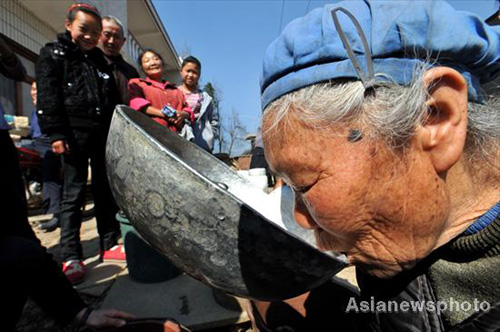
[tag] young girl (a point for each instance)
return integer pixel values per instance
(158, 98)
(76, 98)
(206, 126)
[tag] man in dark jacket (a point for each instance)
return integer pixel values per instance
(76, 97)
(112, 40)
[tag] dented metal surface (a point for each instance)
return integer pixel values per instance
(205, 217)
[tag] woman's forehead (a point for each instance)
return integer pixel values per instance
(150, 55)
(288, 160)
(292, 148)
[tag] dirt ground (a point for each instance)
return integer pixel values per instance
(33, 318)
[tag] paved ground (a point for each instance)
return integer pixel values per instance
(108, 285)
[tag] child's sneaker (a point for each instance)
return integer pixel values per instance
(115, 254)
(74, 271)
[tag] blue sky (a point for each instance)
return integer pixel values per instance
(230, 38)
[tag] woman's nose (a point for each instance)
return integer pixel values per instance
(302, 215)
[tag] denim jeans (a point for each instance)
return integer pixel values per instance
(85, 145)
(51, 175)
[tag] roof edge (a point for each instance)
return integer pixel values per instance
(159, 23)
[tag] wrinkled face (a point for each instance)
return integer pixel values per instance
(85, 30)
(112, 38)
(383, 211)
(152, 65)
(190, 74)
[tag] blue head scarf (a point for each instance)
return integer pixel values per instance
(385, 41)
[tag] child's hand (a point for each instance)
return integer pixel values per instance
(60, 147)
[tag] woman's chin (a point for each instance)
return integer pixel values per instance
(380, 269)
(156, 75)
(327, 242)
(381, 272)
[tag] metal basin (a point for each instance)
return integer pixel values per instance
(208, 220)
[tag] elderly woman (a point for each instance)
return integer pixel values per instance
(158, 98)
(384, 118)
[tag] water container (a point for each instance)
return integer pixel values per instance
(258, 177)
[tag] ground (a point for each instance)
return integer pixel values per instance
(33, 318)
(95, 290)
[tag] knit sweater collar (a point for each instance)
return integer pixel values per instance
(484, 243)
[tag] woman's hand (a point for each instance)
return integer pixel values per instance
(105, 318)
(60, 147)
(178, 121)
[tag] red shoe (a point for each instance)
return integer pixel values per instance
(115, 254)
(74, 271)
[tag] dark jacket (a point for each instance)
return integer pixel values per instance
(76, 90)
(10, 65)
(27, 269)
(123, 72)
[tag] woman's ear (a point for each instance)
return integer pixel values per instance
(443, 133)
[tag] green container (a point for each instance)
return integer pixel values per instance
(144, 263)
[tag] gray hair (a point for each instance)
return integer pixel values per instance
(391, 112)
(115, 20)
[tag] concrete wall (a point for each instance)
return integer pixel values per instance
(22, 26)
(19, 24)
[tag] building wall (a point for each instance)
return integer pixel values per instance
(26, 104)
(23, 27)
(19, 24)
(133, 50)
(15, 97)
(117, 8)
